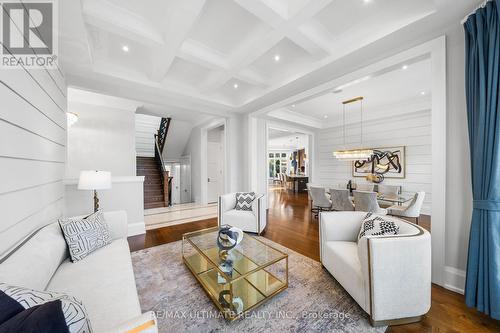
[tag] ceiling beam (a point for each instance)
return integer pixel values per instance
(255, 48)
(262, 9)
(178, 23)
(116, 20)
(202, 55)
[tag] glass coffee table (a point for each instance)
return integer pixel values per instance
(237, 280)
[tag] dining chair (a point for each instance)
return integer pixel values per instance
(388, 190)
(412, 210)
(340, 200)
(320, 201)
(367, 202)
(365, 187)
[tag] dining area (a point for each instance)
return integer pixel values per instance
(367, 197)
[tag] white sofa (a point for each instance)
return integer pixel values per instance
(104, 281)
(388, 276)
(251, 221)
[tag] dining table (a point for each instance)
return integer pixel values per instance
(398, 199)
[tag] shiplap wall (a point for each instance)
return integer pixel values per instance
(32, 152)
(411, 130)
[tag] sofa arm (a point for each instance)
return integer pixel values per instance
(145, 323)
(259, 208)
(117, 223)
(226, 203)
(399, 275)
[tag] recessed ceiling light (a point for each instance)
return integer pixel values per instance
(277, 57)
(235, 86)
(367, 1)
(422, 93)
(325, 116)
(293, 105)
(405, 67)
(125, 48)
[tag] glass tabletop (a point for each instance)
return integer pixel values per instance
(248, 256)
(399, 198)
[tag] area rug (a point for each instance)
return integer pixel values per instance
(313, 302)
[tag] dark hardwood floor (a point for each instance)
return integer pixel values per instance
(291, 224)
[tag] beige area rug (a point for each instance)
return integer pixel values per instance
(313, 302)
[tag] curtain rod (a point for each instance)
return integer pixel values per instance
(482, 5)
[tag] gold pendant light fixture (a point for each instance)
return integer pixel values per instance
(353, 154)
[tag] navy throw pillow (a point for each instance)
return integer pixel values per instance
(8, 307)
(44, 318)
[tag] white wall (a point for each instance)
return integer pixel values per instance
(32, 152)
(104, 139)
(235, 148)
(145, 128)
(411, 130)
(458, 180)
(177, 139)
(125, 194)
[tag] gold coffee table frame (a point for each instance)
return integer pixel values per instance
(255, 276)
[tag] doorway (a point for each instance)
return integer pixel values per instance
(215, 163)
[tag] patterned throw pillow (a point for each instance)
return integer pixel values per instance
(244, 200)
(17, 299)
(85, 235)
(374, 225)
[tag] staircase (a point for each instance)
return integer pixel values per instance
(153, 184)
(157, 182)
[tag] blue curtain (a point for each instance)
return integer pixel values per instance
(482, 43)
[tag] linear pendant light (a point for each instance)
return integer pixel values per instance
(353, 154)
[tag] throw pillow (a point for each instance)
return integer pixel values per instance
(44, 318)
(73, 311)
(244, 200)
(374, 225)
(85, 235)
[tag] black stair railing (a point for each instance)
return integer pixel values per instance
(160, 140)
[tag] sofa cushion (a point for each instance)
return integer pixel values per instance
(37, 259)
(71, 309)
(342, 261)
(85, 235)
(247, 221)
(105, 283)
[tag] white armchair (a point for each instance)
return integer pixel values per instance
(388, 276)
(251, 221)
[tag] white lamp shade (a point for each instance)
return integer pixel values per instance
(94, 180)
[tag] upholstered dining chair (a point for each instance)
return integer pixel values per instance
(340, 200)
(365, 187)
(412, 210)
(367, 202)
(388, 190)
(320, 201)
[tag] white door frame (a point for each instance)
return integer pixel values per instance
(436, 50)
(204, 160)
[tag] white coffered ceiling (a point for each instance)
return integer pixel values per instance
(399, 89)
(193, 53)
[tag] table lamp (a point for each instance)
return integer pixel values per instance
(94, 180)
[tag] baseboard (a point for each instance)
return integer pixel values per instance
(138, 228)
(454, 279)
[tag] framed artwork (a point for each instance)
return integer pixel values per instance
(387, 162)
